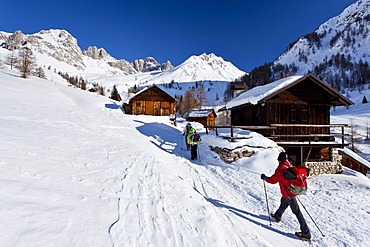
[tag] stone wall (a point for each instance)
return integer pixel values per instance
(326, 167)
(230, 155)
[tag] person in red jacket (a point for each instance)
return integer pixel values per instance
(288, 198)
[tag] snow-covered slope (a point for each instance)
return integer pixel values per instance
(347, 34)
(76, 171)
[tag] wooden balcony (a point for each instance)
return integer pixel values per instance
(292, 134)
(309, 133)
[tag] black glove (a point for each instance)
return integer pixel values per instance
(263, 176)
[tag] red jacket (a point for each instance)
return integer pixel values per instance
(278, 177)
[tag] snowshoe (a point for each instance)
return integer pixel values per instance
(301, 237)
(273, 216)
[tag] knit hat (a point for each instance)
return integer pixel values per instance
(282, 156)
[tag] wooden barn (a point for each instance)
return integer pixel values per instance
(296, 113)
(150, 101)
(207, 117)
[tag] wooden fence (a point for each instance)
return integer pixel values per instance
(310, 134)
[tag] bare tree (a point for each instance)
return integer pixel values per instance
(11, 59)
(201, 96)
(188, 102)
(26, 62)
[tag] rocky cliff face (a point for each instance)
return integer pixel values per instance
(167, 66)
(123, 65)
(59, 44)
(95, 53)
(14, 41)
(62, 46)
(150, 64)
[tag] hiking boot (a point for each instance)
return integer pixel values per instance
(274, 217)
(302, 237)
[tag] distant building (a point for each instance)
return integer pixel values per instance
(206, 117)
(150, 101)
(237, 89)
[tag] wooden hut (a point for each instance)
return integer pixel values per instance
(298, 110)
(207, 117)
(150, 101)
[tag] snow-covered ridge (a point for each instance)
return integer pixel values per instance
(62, 46)
(347, 34)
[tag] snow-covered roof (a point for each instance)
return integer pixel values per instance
(355, 156)
(200, 113)
(256, 94)
(127, 101)
(265, 92)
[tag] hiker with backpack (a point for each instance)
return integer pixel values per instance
(193, 138)
(287, 188)
(185, 133)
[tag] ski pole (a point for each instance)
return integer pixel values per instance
(267, 202)
(310, 217)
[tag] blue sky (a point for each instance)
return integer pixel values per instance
(247, 33)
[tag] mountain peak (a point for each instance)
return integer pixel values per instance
(346, 35)
(96, 53)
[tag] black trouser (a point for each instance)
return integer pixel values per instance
(194, 151)
(292, 202)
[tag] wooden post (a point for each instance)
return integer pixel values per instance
(231, 132)
(342, 135)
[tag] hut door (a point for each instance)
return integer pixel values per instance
(157, 108)
(149, 108)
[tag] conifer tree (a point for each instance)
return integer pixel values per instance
(364, 100)
(83, 84)
(101, 90)
(114, 94)
(40, 73)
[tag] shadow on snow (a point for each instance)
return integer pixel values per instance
(248, 216)
(166, 138)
